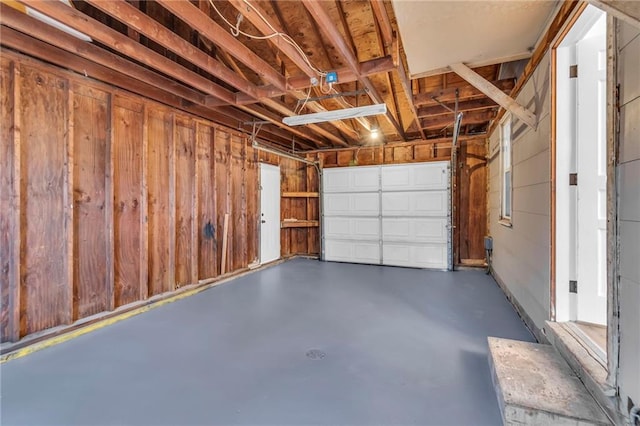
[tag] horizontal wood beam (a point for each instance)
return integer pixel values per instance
(121, 43)
(206, 26)
(464, 92)
(504, 100)
(441, 121)
(226, 116)
(464, 106)
(143, 24)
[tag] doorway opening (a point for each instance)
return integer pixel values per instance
(269, 213)
(581, 180)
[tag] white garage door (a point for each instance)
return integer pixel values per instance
(390, 215)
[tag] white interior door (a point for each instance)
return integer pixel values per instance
(592, 175)
(269, 213)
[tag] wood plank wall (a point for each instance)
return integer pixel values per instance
(109, 198)
(469, 194)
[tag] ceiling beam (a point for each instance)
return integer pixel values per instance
(464, 92)
(222, 38)
(502, 99)
(386, 31)
(328, 27)
(143, 24)
(442, 121)
(465, 106)
(260, 19)
(121, 43)
(53, 54)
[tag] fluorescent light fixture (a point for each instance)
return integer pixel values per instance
(340, 114)
(44, 18)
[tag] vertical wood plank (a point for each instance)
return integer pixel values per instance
(207, 229)
(221, 152)
(185, 178)
(44, 119)
(10, 232)
(68, 204)
(110, 274)
(144, 208)
(253, 213)
(127, 147)
(89, 197)
(159, 189)
(237, 225)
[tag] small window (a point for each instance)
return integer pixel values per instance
(505, 166)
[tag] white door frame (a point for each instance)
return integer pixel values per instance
(559, 296)
(269, 213)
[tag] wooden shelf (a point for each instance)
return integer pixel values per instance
(300, 194)
(299, 224)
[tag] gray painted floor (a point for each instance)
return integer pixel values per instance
(402, 346)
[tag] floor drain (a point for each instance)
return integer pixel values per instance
(315, 354)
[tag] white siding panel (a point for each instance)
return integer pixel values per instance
(352, 204)
(432, 230)
(350, 251)
(630, 63)
(629, 340)
(630, 128)
(363, 228)
(414, 204)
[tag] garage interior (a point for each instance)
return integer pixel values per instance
(320, 212)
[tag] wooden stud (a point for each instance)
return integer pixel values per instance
(225, 231)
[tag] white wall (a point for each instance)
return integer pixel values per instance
(521, 252)
(629, 212)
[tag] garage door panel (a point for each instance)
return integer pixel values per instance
(424, 230)
(431, 203)
(353, 204)
(415, 255)
(414, 177)
(350, 251)
(360, 179)
(363, 228)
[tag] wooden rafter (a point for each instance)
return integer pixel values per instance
(465, 106)
(121, 43)
(496, 94)
(441, 121)
(328, 27)
(386, 30)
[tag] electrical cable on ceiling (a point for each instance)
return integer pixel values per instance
(235, 30)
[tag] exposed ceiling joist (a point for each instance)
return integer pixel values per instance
(464, 92)
(465, 106)
(121, 43)
(496, 94)
(330, 30)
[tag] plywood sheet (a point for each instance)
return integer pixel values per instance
(45, 296)
(160, 188)
(91, 162)
(127, 181)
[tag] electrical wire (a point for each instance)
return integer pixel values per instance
(235, 30)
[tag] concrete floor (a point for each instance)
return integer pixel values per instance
(400, 346)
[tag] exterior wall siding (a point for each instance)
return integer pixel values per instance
(521, 252)
(628, 174)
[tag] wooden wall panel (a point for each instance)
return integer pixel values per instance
(238, 230)
(45, 290)
(472, 185)
(127, 130)
(107, 197)
(207, 227)
(160, 187)
(222, 150)
(9, 206)
(92, 287)
(186, 273)
(253, 213)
